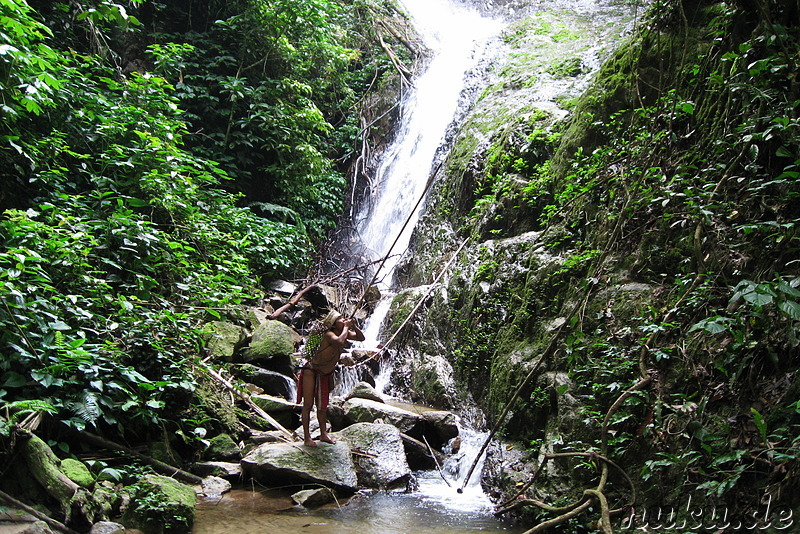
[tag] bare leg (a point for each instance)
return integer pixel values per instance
(305, 413)
(322, 416)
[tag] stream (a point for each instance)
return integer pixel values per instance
(434, 507)
(458, 38)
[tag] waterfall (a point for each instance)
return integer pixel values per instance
(456, 37)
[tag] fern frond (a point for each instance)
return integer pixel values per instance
(88, 408)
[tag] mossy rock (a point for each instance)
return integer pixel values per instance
(270, 340)
(313, 498)
(160, 504)
(224, 339)
(105, 498)
(566, 68)
(432, 382)
(222, 447)
(77, 472)
(215, 402)
(162, 451)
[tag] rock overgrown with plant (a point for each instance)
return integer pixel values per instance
(633, 276)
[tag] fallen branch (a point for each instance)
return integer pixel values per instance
(359, 452)
(37, 514)
(417, 307)
(166, 469)
(277, 313)
(514, 502)
(541, 527)
(421, 448)
(253, 406)
(605, 518)
(404, 72)
(547, 351)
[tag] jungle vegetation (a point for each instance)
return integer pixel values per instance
(162, 161)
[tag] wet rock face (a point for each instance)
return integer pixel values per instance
(365, 410)
(272, 382)
(363, 390)
(440, 427)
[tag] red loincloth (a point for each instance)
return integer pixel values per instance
(323, 384)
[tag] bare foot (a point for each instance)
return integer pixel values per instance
(328, 439)
(309, 443)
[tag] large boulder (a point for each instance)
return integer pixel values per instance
(360, 410)
(224, 339)
(270, 340)
(378, 454)
(275, 464)
(160, 504)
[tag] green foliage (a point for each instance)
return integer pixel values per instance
(17, 411)
(265, 84)
(123, 238)
(762, 325)
(27, 64)
(689, 180)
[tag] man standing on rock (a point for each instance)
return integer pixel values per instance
(323, 351)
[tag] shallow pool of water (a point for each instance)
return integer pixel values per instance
(433, 508)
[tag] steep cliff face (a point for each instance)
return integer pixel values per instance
(632, 252)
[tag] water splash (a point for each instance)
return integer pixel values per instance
(472, 499)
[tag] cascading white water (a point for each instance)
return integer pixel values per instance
(455, 36)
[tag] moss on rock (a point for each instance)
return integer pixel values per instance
(271, 339)
(224, 339)
(77, 472)
(222, 447)
(160, 504)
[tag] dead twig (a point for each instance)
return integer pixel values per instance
(436, 462)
